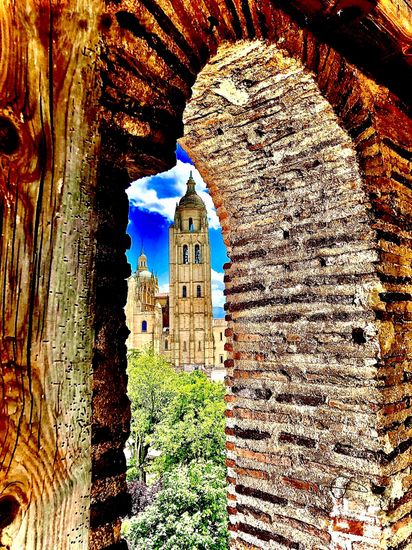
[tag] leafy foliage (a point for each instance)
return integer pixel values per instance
(181, 416)
(189, 513)
(152, 385)
(142, 494)
(193, 424)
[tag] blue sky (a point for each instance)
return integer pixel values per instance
(152, 202)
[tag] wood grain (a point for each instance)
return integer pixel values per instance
(48, 146)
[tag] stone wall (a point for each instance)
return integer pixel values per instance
(307, 376)
(111, 408)
(302, 433)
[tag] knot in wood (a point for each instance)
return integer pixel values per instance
(9, 508)
(9, 137)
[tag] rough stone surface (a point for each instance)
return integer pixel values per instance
(111, 408)
(302, 419)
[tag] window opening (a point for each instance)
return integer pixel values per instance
(197, 254)
(185, 254)
(148, 295)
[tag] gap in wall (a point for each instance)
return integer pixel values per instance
(176, 354)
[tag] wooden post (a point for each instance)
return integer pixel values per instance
(48, 151)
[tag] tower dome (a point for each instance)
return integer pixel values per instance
(142, 269)
(191, 198)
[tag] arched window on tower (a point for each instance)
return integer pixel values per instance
(185, 254)
(198, 291)
(144, 326)
(198, 258)
(166, 345)
(191, 226)
(184, 291)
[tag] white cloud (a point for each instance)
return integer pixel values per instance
(142, 195)
(218, 286)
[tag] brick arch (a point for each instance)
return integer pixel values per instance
(165, 48)
(155, 51)
(301, 291)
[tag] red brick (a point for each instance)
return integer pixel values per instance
(395, 407)
(259, 474)
(268, 458)
(348, 526)
(301, 485)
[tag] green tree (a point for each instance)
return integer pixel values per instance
(189, 513)
(152, 384)
(193, 424)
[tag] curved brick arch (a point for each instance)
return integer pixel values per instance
(151, 70)
(303, 336)
(155, 51)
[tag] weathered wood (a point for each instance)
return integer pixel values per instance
(48, 154)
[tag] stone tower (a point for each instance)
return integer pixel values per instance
(143, 312)
(190, 301)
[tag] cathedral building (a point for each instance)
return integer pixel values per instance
(143, 308)
(179, 324)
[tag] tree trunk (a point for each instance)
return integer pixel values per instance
(48, 152)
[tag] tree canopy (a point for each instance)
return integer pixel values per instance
(189, 513)
(193, 424)
(180, 417)
(152, 384)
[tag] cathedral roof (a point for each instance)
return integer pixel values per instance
(191, 198)
(144, 274)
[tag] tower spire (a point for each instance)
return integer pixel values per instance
(191, 184)
(190, 284)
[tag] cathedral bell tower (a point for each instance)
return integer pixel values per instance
(191, 335)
